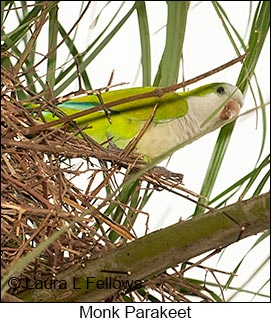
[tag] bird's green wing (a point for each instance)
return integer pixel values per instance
(170, 105)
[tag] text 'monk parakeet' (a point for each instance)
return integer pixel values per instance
(179, 116)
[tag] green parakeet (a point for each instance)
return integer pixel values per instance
(179, 116)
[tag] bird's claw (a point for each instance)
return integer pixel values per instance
(163, 172)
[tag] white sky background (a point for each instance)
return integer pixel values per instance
(206, 47)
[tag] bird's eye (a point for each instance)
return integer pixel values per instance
(220, 90)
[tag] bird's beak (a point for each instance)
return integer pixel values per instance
(233, 106)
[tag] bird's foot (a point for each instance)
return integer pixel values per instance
(166, 174)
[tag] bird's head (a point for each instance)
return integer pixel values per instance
(215, 103)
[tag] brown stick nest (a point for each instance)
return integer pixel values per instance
(53, 181)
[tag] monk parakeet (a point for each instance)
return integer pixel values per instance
(179, 117)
